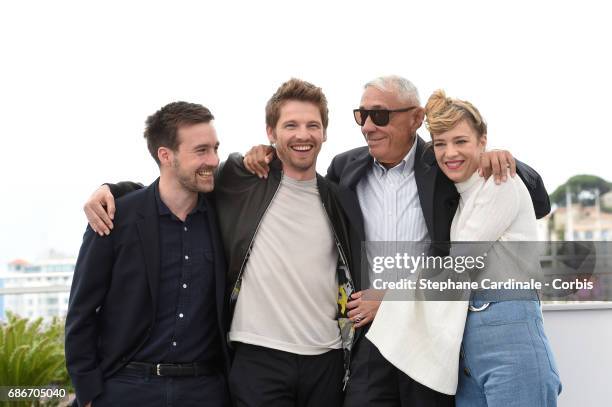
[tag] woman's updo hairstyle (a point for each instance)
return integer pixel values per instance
(444, 113)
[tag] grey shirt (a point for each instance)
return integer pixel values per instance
(289, 288)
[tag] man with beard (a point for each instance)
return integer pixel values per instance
(145, 323)
(288, 244)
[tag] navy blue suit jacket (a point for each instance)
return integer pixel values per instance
(114, 293)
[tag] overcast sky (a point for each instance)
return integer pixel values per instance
(78, 79)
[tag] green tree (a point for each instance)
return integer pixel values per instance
(579, 184)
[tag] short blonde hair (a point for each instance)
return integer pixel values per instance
(444, 113)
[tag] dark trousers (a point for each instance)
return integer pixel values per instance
(375, 382)
(264, 377)
(128, 388)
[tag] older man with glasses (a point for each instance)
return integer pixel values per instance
(403, 196)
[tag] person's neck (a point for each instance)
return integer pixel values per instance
(390, 165)
(300, 175)
(401, 154)
(465, 178)
(179, 200)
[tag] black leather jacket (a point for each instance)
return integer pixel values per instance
(242, 199)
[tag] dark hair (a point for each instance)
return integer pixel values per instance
(296, 89)
(162, 126)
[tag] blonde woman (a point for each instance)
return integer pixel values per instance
(505, 358)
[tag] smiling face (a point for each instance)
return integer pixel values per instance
(458, 151)
(389, 144)
(298, 136)
(196, 157)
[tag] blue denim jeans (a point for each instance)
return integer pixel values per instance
(506, 358)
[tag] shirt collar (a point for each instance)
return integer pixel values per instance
(162, 208)
(404, 167)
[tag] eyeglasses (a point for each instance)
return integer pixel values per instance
(380, 117)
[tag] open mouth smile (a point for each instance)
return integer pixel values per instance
(454, 164)
(302, 148)
(206, 173)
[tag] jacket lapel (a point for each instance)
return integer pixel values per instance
(148, 231)
(219, 263)
(356, 169)
(425, 177)
(350, 203)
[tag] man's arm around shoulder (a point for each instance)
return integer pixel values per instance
(232, 170)
(124, 188)
(537, 190)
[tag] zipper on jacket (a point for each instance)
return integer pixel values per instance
(248, 253)
(338, 245)
(347, 372)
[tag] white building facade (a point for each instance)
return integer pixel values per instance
(40, 289)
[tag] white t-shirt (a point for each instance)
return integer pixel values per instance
(289, 287)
